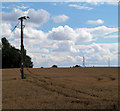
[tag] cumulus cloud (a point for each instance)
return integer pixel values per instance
(102, 30)
(13, 16)
(80, 34)
(22, 7)
(68, 60)
(99, 31)
(95, 54)
(80, 6)
(37, 17)
(10, 0)
(58, 45)
(6, 30)
(44, 50)
(98, 49)
(40, 50)
(95, 22)
(96, 2)
(99, 53)
(111, 36)
(62, 33)
(33, 33)
(64, 46)
(60, 18)
(83, 36)
(67, 33)
(5, 7)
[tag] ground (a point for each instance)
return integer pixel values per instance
(60, 88)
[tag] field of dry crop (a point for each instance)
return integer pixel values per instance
(60, 88)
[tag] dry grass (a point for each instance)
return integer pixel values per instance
(61, 88)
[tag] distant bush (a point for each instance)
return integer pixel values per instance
(55, 66)
(42, 67)
(77, 66)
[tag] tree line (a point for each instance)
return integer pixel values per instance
(11, 56)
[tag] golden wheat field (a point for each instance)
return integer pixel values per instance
(60, 88)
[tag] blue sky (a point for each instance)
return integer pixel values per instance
(62, 33)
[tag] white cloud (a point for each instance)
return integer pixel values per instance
(111, 36)
(13, 16)
(96, 22)
(99, 53)
(22, 7)
(44, 50)
(95, 54)
(99, 31)
(96, 2)
(62, 33)
(83, 36)
(80, 6)
(16, 33)
(54, 4)
(102, 30)
(69, 60)
(32, 37)
(48, 60)
(80, 34)
(37, 17)
(6, 30)
(98, 49)
(10, 1)
(5, 7)
(64, 46)
(33, 49)
(67, 33)
(59, 45)
(33, 33)
(60, 18)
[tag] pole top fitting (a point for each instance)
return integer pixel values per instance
(24, 17)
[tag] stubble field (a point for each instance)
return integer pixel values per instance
(60, 88)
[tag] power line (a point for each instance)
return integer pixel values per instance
(14, 29)
(16, 26)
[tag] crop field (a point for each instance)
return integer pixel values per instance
(60, 88)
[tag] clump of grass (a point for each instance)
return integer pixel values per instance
(14, 78)
(25, 77)
(114, 106)
(100, 78)
(112, 78)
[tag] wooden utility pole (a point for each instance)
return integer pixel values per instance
(22, 46)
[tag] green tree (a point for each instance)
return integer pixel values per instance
(11, 57)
